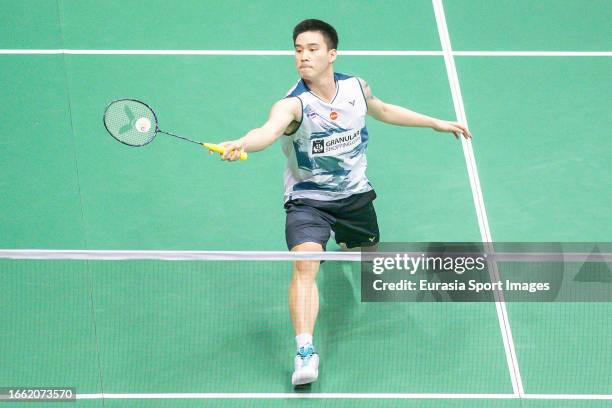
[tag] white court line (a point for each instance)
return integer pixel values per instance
(290, 53)
(485, 233)
(343, 396)
(568, 396)
(532, 53)
(209, 52)
(295, 396)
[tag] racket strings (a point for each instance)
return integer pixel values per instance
(131, 122)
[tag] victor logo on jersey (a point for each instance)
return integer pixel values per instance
(336, 144)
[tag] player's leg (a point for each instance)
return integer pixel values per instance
(304, 307)
(303, 293)
(306, 229)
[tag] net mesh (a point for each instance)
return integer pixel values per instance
(197, 323)
(131, 122)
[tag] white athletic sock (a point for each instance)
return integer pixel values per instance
(303, 339)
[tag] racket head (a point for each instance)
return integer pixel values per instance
(131, 122)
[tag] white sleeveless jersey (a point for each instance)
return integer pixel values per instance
(326, 155)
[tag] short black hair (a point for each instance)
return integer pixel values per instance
(329, 32)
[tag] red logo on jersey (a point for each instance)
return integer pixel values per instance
(333, 115)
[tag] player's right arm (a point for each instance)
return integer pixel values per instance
(282, 114)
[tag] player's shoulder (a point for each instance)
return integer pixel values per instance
(291, 104)
(361, 81)
(365, 88)
(292, 99)
(338, 76)
(357, 79)
(297, 89)
(354, 80)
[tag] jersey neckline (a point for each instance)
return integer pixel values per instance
(318, 97)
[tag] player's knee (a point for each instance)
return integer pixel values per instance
(305, 270)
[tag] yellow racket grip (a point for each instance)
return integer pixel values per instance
(218, 149)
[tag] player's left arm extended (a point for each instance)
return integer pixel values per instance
(397, 115)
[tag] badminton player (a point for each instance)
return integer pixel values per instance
(321, 123)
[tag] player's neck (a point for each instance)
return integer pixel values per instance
(324, 86)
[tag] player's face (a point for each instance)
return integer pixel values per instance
(312, 57)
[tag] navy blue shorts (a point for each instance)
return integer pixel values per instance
(352, 219)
